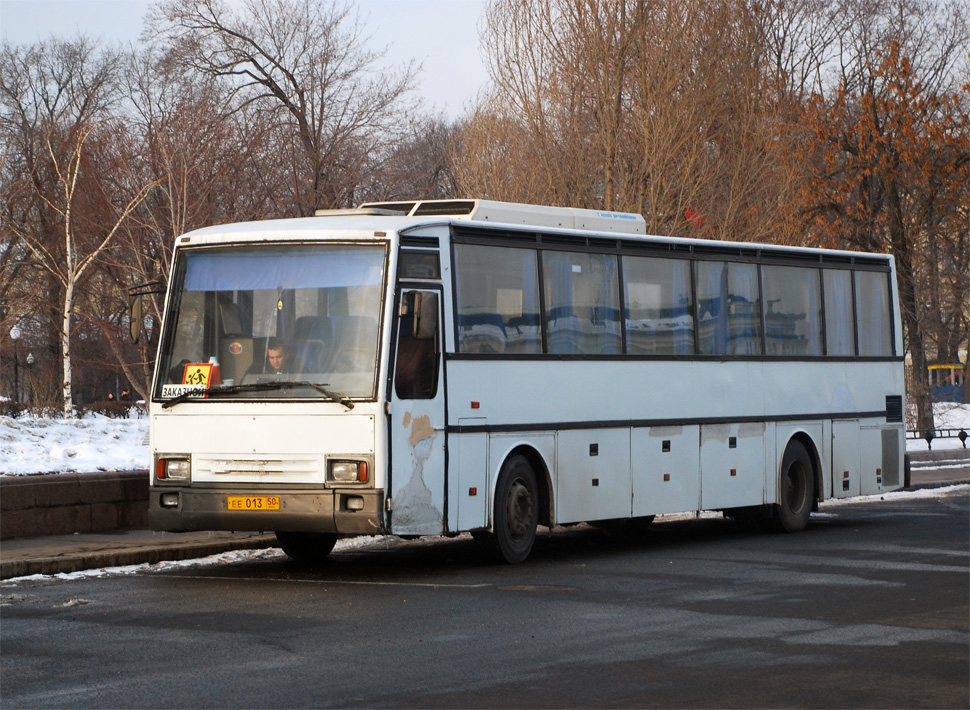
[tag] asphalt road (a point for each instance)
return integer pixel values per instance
(866, 608)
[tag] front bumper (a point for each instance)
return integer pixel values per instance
(301, 510)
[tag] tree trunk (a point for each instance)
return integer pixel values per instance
(966, 372)
(66, 349)
(908, 305)
(920, 392)
(140, 382)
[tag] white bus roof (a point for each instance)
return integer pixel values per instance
(402, 215)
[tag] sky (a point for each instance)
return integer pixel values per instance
(441, 35)
(31, 446)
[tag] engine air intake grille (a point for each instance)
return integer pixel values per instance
(894, 408)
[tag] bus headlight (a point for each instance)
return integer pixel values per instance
(174, 469)
(348, 472)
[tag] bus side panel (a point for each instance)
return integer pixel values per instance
(882, 448)
(846, 473)
(666, 470)
(732, 465)
(468, 479)
(593, 475)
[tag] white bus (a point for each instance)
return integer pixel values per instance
(439, 367)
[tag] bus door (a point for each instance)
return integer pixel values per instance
(417, 417)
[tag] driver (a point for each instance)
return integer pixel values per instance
(275, 363)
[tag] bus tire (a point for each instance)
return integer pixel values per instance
(309, 548)
(516, 514)
(797, 489)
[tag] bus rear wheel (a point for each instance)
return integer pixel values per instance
(516, 514)
(309, 548)
(797, 489)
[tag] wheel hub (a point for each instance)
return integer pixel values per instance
(519, 509)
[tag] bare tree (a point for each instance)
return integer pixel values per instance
(303, 62)
(69, 266)
(890, 162)
(55, 97)
(205, 163)
(51, 84)
(663, 108)
(496, 156)
(420, 166)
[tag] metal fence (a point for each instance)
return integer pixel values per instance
(931, 435)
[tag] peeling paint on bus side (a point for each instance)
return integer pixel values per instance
(421, 429)
(414, 510)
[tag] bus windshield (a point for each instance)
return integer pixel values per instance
(256, 315)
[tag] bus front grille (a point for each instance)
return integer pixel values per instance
(204, 467)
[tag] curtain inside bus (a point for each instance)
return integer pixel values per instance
(729, 308)
(839, 313)
(283, 267)
(793, 323)
(659, 307)
(872, 313)
(582, 303)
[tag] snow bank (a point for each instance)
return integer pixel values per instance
(946, 415)
(221, 558)
(96, 443)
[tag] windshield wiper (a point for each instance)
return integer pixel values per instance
(218, 390)
(338, 397)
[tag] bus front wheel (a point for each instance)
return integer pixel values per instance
(309, 548)
(516, 514)
(797, 489)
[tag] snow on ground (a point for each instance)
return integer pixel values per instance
(98, 443)
(938, 492)
(946, 415)
(222, 558)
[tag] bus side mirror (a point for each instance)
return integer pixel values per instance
(423, 308)
(135, 317)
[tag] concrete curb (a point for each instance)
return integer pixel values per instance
(151, 550)
(960, 454)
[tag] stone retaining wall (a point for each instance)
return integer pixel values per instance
(65, 503)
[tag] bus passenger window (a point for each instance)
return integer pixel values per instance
(793, 319)
(659, 309)
(839, 314)
(872, 313)
(582, 303)
(728, 309)
(498, 300)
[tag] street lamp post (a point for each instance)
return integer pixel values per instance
(29, 362)
(15, 334)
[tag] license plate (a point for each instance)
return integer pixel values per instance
(254, 502)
